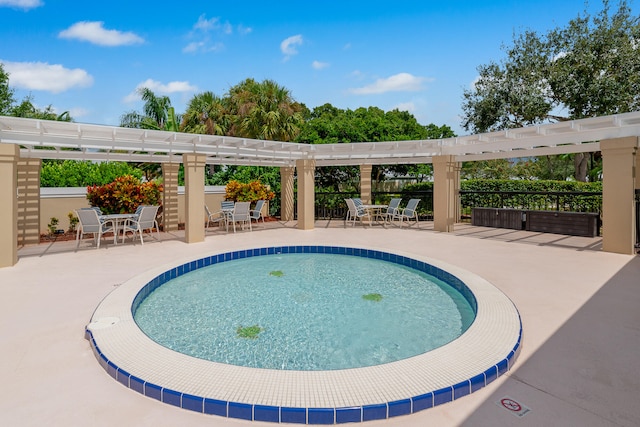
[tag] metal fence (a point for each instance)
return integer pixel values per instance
(331, 205)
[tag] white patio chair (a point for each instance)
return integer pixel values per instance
(355, 213)
(90, 222)
(409, 213)
(393, 209)
(256, 213)
(218, 217)
(240, 214)
(146, 220)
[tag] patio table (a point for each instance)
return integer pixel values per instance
(117, 219)
(377, 213)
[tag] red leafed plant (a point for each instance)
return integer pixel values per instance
(124, 195)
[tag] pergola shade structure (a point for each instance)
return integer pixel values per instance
(616, 136)
(97, 142)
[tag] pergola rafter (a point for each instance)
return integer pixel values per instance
(108, 143)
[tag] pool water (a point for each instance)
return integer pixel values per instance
(310, 312)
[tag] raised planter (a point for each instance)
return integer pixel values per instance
(496, 217)
(570, 223)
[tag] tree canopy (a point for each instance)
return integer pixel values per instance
(588, 68)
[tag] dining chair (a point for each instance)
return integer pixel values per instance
(146, 220)
(90, 222)
(241, 214)
(218, 217)
(256, 213)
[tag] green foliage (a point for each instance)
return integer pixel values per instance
(588, 68)
(328, 124)
(73, 173)
(276, 273)
(124, 195)
(250, 192)
(250, 332)
(372, 297)
(565, 202)
(6, 93)
(53, 225)
(73, 221)
(422, 191)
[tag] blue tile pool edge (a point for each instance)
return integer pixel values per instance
(257, 412)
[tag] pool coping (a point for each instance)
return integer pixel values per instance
(484, 352)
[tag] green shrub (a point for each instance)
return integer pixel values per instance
(124, 195)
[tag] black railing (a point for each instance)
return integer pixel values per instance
(331, 205)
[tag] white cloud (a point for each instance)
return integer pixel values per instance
(21, 4)
(94, 32)
(47, 77)
(203, 46)
(319, 65)
(288, 45)
(202, 30)
(402, 82)
(405, 106)
(160, 88)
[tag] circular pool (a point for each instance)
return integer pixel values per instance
(483, 352)
(304, 311)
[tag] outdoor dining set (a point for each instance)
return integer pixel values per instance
(235, 213)
(93, 221)
(382, 214)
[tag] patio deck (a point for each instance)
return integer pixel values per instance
(579, 362)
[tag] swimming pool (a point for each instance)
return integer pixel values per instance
(484, 352)
(302, 312)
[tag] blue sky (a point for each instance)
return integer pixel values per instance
(89, 57)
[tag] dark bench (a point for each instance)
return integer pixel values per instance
(500, 218)
(568, 223)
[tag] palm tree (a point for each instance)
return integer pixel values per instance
(206, 114)
(264, 111)
(157, 113)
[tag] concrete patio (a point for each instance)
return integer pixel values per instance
(579, 363)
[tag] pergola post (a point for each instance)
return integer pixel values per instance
(618, 200)
(444, 193)
(365, 183)
(194, 165)
(286, 192)
(170, 217)
(28, 186)
(9, 156)
(306, 194)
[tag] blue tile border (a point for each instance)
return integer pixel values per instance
(297, 415)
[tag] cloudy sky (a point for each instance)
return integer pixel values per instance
(89, 58)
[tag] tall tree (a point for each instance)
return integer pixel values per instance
(264, 110)
(157, 113)
(207, 113)
(588, 68)
(6, 92)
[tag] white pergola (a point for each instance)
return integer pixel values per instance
(104, 143)
(616, 136)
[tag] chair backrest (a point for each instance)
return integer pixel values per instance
(139, 209)
(354, 209)
(147, 217)
(357, 201)
(227, 205)
(241, 211)
(411, 207)
(393, 205)
(257, 211)
(207, 211)
(89, 220)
